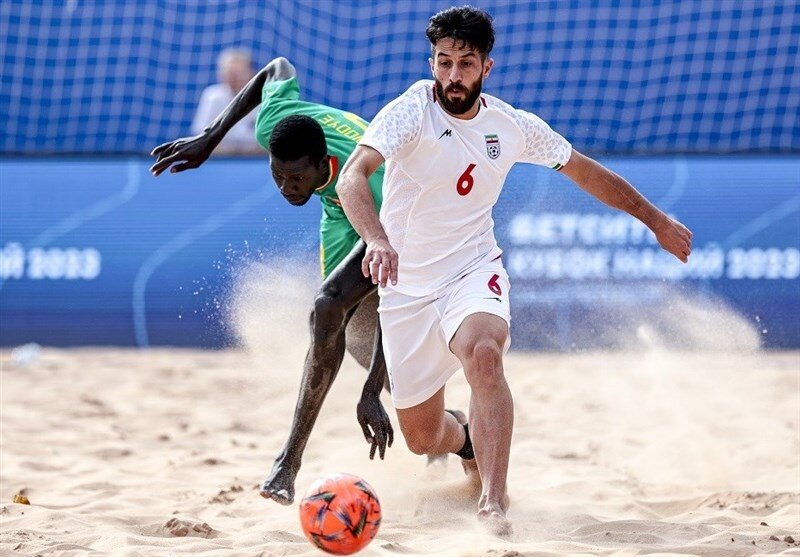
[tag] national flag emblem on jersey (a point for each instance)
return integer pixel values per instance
(492, 145)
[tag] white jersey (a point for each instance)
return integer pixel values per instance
(444, 175)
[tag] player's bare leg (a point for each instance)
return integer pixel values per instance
(479, 344)
(335, 303)
(430, 430)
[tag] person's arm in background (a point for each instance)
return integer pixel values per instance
(615, 191)
(191, 152)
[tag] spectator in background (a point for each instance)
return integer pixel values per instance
(234, 70)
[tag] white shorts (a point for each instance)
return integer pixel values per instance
(417, 330)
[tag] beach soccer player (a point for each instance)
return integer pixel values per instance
(308, 145)
(444, 292)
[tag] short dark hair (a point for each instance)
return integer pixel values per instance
(472, 27)
(296, 136)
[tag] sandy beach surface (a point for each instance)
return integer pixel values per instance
(159, 452)
(644, 450)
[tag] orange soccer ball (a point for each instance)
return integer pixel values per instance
(340, 514)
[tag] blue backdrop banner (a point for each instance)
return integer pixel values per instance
(96, 251)
(659, 76)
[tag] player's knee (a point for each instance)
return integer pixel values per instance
(421, 441)
(328, 312)
(484, 368)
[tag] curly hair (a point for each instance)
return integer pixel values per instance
(467, 26)
(296, 136)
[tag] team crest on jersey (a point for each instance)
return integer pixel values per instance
(492, 145)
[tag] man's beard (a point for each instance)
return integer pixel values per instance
(458, 106)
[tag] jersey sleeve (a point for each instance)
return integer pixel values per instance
(397, 124)
(543, 146)
(284, 90)
(278, 100)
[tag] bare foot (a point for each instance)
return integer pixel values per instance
(279, 486)
(494, 520)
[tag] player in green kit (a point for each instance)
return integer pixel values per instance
(342, 131)
(308, 145)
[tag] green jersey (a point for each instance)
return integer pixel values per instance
(343, 130)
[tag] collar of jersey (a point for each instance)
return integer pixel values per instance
(333, 167)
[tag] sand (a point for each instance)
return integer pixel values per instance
(642, 451)
(159, 452)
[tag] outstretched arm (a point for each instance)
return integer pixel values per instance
(191, 152)
(614, 191)
(380, 260)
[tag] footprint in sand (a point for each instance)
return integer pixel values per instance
(182, 528)
(226, 496)
(395, 547)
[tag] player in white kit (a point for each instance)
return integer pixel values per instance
(444, 293)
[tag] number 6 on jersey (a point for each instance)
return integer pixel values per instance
(465, 181)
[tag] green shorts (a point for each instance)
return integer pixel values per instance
(336, 239)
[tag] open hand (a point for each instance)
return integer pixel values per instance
(674, 238)
(188, 152)
(375, 424)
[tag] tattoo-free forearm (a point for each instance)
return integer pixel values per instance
(377, 369)
(374, 383)
(613, 190)
(356, 196)
(359, 207)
